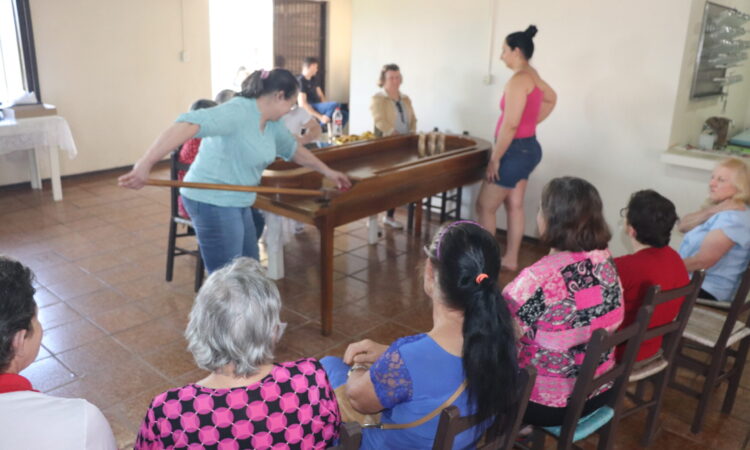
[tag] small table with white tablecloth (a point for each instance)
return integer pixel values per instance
(37, 135)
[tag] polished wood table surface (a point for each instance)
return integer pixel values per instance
(386, 173)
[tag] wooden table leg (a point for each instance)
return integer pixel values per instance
(326, 277)
(418, 218)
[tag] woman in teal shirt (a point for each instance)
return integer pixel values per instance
(240, 138)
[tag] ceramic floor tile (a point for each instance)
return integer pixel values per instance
(75, 287)
(57, 273)
(44, 260)
(44, 297)
(57, 314)
(307, 339)
(171, 360)
(47, 374)
(95, 355)
(386, 333)
(71, 335)
(120, 319)
(149, 336)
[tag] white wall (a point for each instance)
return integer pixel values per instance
(689, 115)
(615, 66)
(241, 35)
(113, 70)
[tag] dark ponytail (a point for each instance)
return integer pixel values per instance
(262, 82)
(467, 263)
(523, 40)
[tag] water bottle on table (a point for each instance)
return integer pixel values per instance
(337, 122)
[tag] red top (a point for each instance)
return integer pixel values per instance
(187, 155)
(530, 116)
(11, 382)
(638, 272)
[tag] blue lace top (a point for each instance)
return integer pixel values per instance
(412, 378)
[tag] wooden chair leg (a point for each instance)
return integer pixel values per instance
(537, 439)
(418, 219)
(607, 434)
(640, 390)
(199, 270)
(410, 219)
(708, 387)
(171, 243)
(652, 421)
(428, 203)
(443, 204)
(734, 380)
(459, 198)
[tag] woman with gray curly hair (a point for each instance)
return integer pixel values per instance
(247, 401)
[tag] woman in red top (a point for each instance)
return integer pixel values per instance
(650, 218)
(527, 100)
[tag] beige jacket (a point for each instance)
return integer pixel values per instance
(384, 114)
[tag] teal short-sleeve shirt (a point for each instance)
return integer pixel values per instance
(233, 150)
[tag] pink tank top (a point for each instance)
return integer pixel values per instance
(527, 126)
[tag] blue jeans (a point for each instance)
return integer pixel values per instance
(328, 108)
(224, 233)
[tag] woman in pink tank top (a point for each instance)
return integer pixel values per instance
(527, 100)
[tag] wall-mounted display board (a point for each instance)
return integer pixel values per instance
(721, 47)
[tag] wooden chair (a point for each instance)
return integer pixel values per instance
(174, 221)
(350, 436)
(603, 421)
(657, 370)
(451, 423)
(714, 334)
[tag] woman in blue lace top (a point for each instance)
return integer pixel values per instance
(472, 341)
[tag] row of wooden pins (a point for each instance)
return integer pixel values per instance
(432, 143)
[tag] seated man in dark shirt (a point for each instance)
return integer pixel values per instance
(311, 96)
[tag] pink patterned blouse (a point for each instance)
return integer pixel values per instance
(558, 302)
(292, 407)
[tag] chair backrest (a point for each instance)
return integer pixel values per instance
(451, 423)
(175, 166)
(672, 331)
(740, 305)
(598, 348)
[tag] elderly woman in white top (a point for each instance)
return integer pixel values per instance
(28, 418)
(247, 401)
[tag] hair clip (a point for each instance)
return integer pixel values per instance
(481, 277)
(264, 74)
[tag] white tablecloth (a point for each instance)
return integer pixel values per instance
(36, 132)
(47, 134)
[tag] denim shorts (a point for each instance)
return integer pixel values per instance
(519, 161)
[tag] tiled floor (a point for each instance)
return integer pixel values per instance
(113, 326)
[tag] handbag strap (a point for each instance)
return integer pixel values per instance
(428, 417)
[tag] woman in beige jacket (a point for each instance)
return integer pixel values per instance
(392, 114)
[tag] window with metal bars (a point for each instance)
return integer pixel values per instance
(299, 31)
